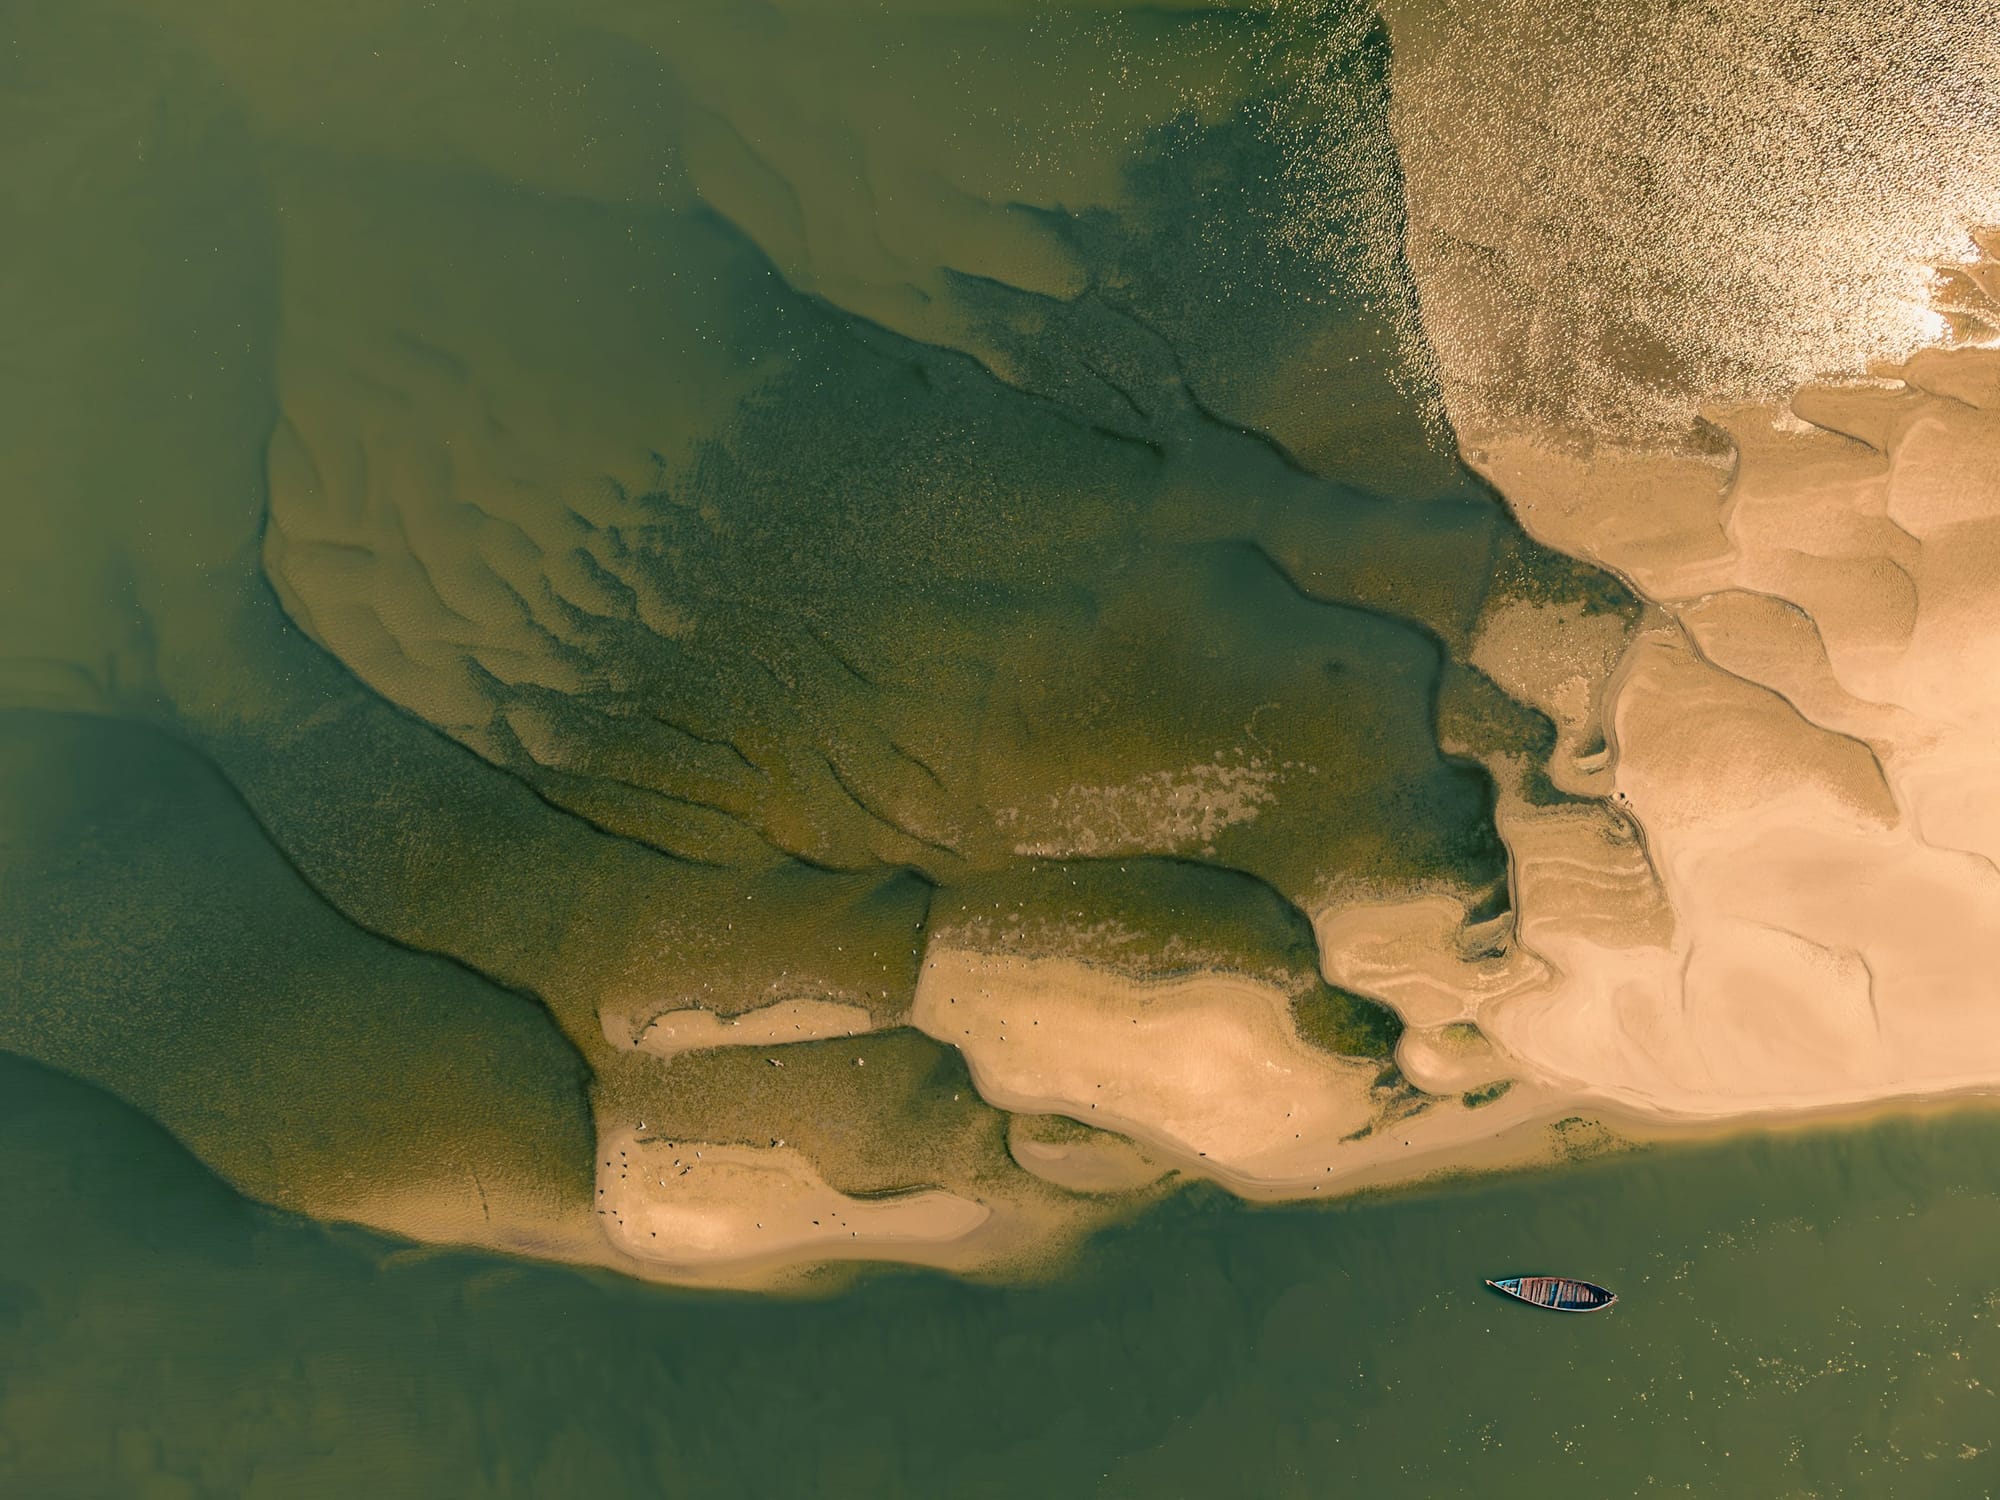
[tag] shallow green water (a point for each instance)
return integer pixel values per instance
(1810, 1316)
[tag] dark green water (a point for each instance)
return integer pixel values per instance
(1812, 1316)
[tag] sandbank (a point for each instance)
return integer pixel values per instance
(690, 1030)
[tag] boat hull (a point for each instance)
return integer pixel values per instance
(1555, 1293)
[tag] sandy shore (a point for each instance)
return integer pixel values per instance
(1787, 899)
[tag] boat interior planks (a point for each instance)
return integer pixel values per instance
(1557, 1293)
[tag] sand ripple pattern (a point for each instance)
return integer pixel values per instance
(1791, 895)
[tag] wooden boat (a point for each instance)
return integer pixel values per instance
(1557, 1293)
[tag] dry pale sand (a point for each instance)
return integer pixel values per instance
(1205, 1069)
(1789, 899)
(691, 1030)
